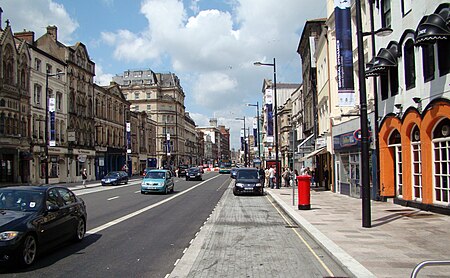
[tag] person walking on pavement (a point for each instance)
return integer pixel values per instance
(267, 176)
(271, 176)
(286, 177)
(325, 178)
(84, 177)
(261, 175)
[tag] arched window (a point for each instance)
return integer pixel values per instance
(395, 143)
(416, 164)
(443, 58)
(441, 147)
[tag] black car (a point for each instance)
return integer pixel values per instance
(194, 173)
(182, 169)
(247, 182)
(115, 178)
(34, 218)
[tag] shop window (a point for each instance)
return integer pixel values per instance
(441, 145)
(395, 143)
(416, 164)
(53, 167)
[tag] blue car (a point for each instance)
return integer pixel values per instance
(157, 181)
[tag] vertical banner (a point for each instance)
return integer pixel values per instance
(242, 140)
(128, 128)
(344, 55)
(51, 109)
(269, 111)
(168, 144)
(255, 132)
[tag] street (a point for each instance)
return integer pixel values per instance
(130, 234)
(135, 235)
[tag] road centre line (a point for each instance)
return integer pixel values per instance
(112, 198)
(126, 217)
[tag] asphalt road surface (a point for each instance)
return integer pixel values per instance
(130, 234)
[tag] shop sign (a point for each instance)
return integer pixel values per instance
(345, 140)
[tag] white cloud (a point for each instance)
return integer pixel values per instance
(37, 14)
(101, 78)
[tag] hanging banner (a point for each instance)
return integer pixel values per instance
(242, 140)
(269, 116)
(344, 55)
(51, 109)
(255, 132)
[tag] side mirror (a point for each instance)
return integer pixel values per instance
(52, 208)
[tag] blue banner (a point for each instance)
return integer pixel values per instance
(344, 55)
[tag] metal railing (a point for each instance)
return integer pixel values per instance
(423, 264)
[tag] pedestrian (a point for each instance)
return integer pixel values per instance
(261, 175)
(302, 170)
(271, 176)
(267, 177)
(286, 177)
(84, 177)
(294, 177)
(325, 178)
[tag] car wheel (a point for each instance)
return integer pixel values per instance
(166, 190)
(187, 178)
(126, 182)
(142, 192)
(80, 230)
(28, 251)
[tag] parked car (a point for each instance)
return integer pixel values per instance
(115, 178)
(233, 173)
(194, 173)
(247, 182)
(182, 170)
(34, 218)
(157, 181)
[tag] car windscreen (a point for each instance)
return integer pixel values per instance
(112, 175)
(155, 175)
(21, 200)
(244, 174)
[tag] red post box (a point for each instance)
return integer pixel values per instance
(304, 195)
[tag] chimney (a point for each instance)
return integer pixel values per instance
(53, 32)
(27, 36)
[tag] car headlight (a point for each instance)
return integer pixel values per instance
(239, 185)
(258, 185)
(8, 235)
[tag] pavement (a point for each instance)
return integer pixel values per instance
(399, 238)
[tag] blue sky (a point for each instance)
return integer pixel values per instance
(209, 44)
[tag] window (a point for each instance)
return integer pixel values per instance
(58, 101)
(149, 107)
(53, 167)
(443, 58)
(136, 95)
(37, 94)
(149, 95)
(48, 68)
(53, 198)
(386, 13)
(393, 80)
(37, 64)
(67, 196)
(416, 164)
(384, 88)
(410, 68)
(406, 7)
(428, 62)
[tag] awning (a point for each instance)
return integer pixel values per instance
(433, 28)
(314, 153)
(386, 59)
(304, 141)
(369, 69)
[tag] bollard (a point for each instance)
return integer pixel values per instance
(304, 195)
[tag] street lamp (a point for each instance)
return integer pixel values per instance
(245, 142)
(365, 180)
(257, 126)
(47, 75)
(278, 175)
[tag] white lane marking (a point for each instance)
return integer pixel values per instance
(126, 217)
(97, 188)
(176, 262)
(137, 191)
(112, 198)
(184, 251)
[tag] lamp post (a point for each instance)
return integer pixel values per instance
(245, 142)
(47, 75)
(257, 127)
(365, 180)
(277, 165)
